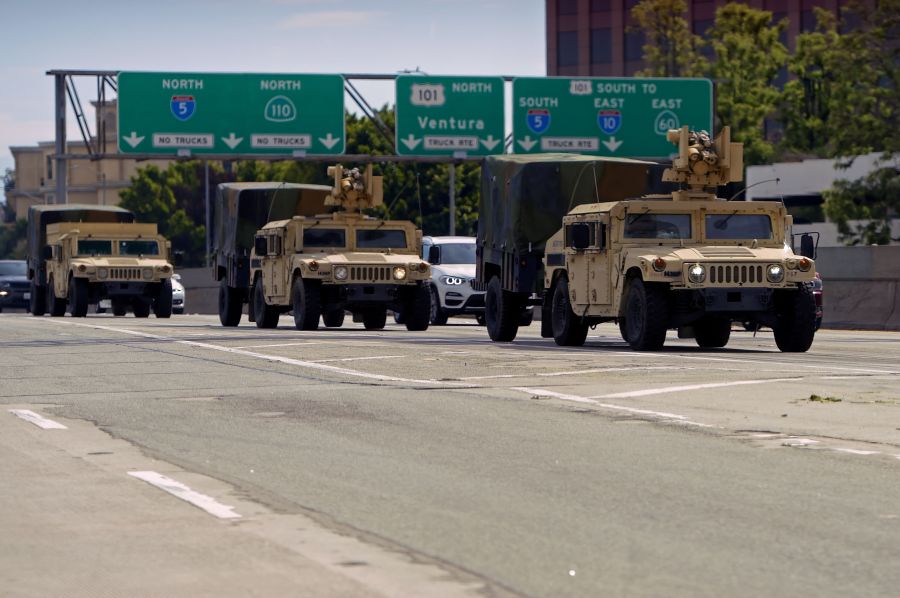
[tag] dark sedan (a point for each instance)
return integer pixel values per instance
(15, 290)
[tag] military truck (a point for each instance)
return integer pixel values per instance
(324, 265)
(685, 260)
(240, 209)
(523, 201)
(80, 255)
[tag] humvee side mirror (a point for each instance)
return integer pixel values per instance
(177, 258)
(261, 246)
(807, 246)
(434, 255)
(581, 236)
(47, 254)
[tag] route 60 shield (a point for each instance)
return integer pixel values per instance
(182, 107)
(609, 121)
(538, 120)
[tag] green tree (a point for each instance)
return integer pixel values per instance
(863, 209)
(12, 240)
(671, 50)
(748, 55)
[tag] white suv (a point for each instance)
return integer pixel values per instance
(452, 262)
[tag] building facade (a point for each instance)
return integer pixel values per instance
(96, 182)
(596, 37)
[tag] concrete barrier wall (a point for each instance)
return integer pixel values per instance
(861, 287)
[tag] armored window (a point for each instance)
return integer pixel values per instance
(579, 235)
(138, 247)
(94, 247)
(658, 226)
(379, 238)
(738, 226)
(324, 237)
(274, 245)
(601, 235)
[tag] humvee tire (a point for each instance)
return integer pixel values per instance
(37, 304)
(374, 318)
(162, 307)
(78, 297)
(646, 315)
(140, 307)
(333, 318)
(501, 311)
(307, 303)
(230, 305)
(712, 332)
(119, 307)
(419, 310)
(265, 316)
(438, 316)
(55, 305)
(796, 324)
(569, 329)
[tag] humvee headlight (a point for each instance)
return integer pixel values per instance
(775, 273)
(804, 265)
(313, 265)
(399, 273)
(163, 269)
(147, 273)
(82, 268)
(696, 273)
(340, 272)
(102, 273)
(659, 264)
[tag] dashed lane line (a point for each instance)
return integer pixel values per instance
(179, 490)
(37, 419)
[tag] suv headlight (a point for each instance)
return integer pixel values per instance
(452, 280)
(697, 273)
(399, 273)
(340, 272)
(775, 273)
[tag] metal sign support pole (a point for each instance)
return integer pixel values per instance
(61, 173)
(208, 214)
(452, 167)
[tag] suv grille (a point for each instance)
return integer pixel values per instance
(125, 273)
(731, 274)
(370, 274)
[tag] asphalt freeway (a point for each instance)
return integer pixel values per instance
(191, 459)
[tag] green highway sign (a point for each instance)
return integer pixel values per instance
(625, 117)
(203, 113)
(440, 116)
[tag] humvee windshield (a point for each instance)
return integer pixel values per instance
(94, 247)
(658, 226)
(141, 247)
(380, 239)
(738, 226)
(324, 237)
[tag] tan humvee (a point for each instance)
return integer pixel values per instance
(321, 266)
(687, 260)
(124, 262)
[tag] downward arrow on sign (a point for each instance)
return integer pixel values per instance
(329, 140)
(411, 142)
(490, 143)
(231, 141)
(612, 145)
(527, 143)
(133, 140)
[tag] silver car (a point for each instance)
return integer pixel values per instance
(452, 262)
(177, 294)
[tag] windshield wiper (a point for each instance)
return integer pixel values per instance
(723, 223)
(639, 216)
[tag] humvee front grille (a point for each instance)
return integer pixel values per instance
(736, 274)
(370, 274)
(125, 273)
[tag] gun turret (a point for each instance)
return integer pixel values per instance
(354, 190)
(703, 163)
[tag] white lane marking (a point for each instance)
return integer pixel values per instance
(660, 415)
(38, 420)
(799, 442)
(669, 389)
(282, 345)
(857, 377)
(356, 358)
(179, 490)
(567, 373)
(277, 358)
(856, 451)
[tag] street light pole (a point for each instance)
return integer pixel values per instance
(61, 180)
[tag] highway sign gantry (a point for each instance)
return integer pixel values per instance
(449, 115)
(242, 113)
(625, 117)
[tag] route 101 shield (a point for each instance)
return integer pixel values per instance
(609, 121)
(538, 120)
(182, 107)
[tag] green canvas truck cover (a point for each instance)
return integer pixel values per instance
(243, 208)
(39, 217)
(524, 197)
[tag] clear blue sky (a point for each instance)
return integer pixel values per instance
(484, 37)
